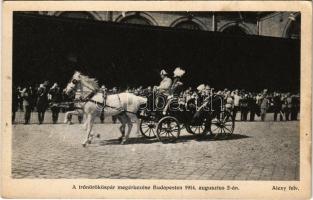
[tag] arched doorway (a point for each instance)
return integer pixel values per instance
(191, 25)
(135, 19)
(234, 30)
(77, 15)
(293, 28)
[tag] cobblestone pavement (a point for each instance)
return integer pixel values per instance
(256, 151)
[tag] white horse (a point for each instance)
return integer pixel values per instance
(124, 105)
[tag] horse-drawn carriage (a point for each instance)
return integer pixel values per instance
(162, 117)
(198, 117)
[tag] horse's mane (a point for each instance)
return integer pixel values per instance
(90, 82)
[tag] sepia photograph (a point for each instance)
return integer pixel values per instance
(197, 95)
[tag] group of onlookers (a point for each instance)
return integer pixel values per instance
(39, 98)
(285, 106)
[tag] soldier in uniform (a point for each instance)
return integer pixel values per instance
(25, 94)
(295, 107)
(288, 106)
(55, 93)
(15, 99)
(163, 90)
(165, 84)
(252, 105)
(42, 102)
(277, 106)
(175, 89)
(264, 106)
(244, 107)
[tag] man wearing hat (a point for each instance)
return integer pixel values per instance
(175, 88)
(42, 101)
(56, 98)
(165, 84)
(25, 94)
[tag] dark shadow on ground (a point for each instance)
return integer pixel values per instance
(181, 139)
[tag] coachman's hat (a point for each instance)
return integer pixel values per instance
(163, 72)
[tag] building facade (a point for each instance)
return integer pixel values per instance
(273, 24)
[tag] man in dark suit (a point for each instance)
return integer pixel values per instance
(244, 107)
(15, 102)
(55, 93)
(288, 106)
(295, 105)
(252, 105)
(277, 106)
(42, 102)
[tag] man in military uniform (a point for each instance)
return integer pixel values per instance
(42, 101)
(244, 107)
(25, 94)
(163, 90)
(277, 106)
(165, 84)
(15, 102)
(175, 88)
(55, 93)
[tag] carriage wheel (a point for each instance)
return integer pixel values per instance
(198, 129)
(222, 125)
(148, 128)
(168, 129)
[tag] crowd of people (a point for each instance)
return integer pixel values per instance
(284, 106)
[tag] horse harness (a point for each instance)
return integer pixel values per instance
(104, 95)
(103, 104)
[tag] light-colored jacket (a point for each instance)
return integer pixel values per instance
(165, 86)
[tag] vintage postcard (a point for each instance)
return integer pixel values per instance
(156, 99)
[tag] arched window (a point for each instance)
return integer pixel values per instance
(234, 30)
(77, 15)
(191, 25)
(294, 28)
(136, 19)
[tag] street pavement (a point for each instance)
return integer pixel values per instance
(256, 151)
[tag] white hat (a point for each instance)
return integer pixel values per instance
(201, 87)
(54, 85)
(163, 72)
(178, 72)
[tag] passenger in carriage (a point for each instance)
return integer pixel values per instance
(165, 84)
(162, 91)
(175, 89)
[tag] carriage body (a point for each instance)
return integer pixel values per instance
(197, 116)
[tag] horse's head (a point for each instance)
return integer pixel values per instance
(73, 85)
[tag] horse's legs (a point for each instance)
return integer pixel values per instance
(89, 122)
(68, 115)
(137, 121)
(130, 125)
(122, 119)
(85, 123)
